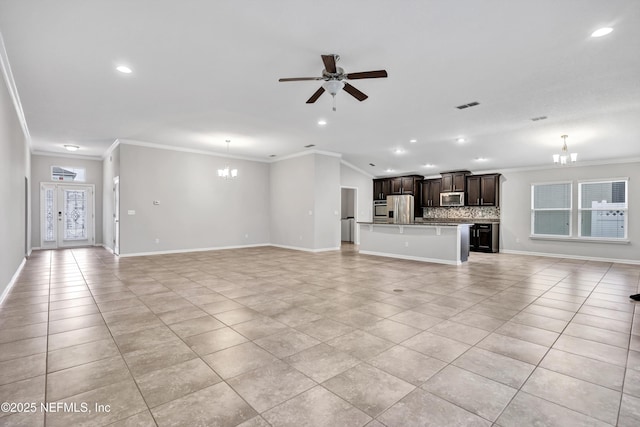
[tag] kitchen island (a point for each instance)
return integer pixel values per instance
(443, 243)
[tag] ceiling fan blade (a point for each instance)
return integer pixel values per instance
(354, 92)
(315, 96)
(329, 63)
(297, 79)
(367, 75)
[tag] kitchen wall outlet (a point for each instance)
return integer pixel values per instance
(335, 213)
(406, 244)
(157, 240)
(156, 202)
(131, 212)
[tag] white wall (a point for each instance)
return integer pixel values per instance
(197, 209)
(327, 203)
(363, 185)
(41, 172)
(352, 178)
(515, 212)
(110, 170)
(14, 167)
(292, 202)
(305, 202)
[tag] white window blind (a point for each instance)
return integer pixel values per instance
(603, 209)
(551, 209)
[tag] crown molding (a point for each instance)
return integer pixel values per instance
(182, 149)
(13, 91)
(307, 153)
(357, 169)
(65, 155)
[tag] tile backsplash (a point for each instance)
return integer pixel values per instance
(463, 212)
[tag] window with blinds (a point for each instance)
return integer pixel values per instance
(603, 209)
(551, 209)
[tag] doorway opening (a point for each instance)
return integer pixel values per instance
(349, 207)
(66, 215)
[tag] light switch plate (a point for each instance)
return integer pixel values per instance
(131, 212)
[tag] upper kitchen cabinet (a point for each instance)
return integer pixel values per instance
(406, 185)
(381, 188)
(454, 181)
(431, 193)
(483, 190)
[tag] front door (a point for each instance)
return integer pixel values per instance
(66, 215)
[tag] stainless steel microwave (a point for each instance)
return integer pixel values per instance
(452, 199)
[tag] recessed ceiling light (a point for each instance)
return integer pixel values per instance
(124, 69)
(601, 32)
(480, 159)
(428, 165)
(371, 164)
(389, 170)
(398, 151)
(71, 147)
(413, 141)
(460, 140)
(322, 122)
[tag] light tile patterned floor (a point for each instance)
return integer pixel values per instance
(268, 336)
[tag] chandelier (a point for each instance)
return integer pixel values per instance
(227, 172)
(564, 155)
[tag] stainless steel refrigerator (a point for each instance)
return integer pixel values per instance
(400, 209)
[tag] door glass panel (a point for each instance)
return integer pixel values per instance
(49, 216)
(75, 214)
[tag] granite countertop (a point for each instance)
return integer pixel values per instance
(460, 220)
(441, 223)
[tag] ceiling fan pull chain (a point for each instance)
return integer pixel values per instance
(334, 102)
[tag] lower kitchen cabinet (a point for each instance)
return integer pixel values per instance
(485, 238)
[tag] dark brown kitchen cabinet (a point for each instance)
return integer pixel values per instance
(405, 185)
(381, 188)
(431, 192)
(454, 181)
(484, 238)
(483, 190)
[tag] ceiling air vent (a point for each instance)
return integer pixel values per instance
(310, 145)
(535, 119)
(471, 104)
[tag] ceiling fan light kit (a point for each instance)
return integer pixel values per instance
(334, 79)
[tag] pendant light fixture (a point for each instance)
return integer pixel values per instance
(227, 172)
(564, 155)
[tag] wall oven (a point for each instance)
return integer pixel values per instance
(379, 211)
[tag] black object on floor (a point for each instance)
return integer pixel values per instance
(635, 297)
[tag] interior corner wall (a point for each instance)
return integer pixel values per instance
(196, 209)
(41, 172)
(14, 198)
(352, 178)
(327, 202)
(293, 202)
(110, 170)
(515, 212)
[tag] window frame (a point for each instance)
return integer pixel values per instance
(625, 209)
(534, 210)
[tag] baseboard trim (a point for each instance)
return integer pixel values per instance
(12, 281)
(298, 248)
(182, 251)
(410, 258)
(579, 257)
(107, 248)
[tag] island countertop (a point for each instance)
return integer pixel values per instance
(418, 224)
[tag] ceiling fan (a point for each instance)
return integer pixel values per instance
(334, 79)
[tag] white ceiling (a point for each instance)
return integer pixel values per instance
(206, 71)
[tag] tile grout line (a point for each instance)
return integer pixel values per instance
(549, 349)
(114, 341)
